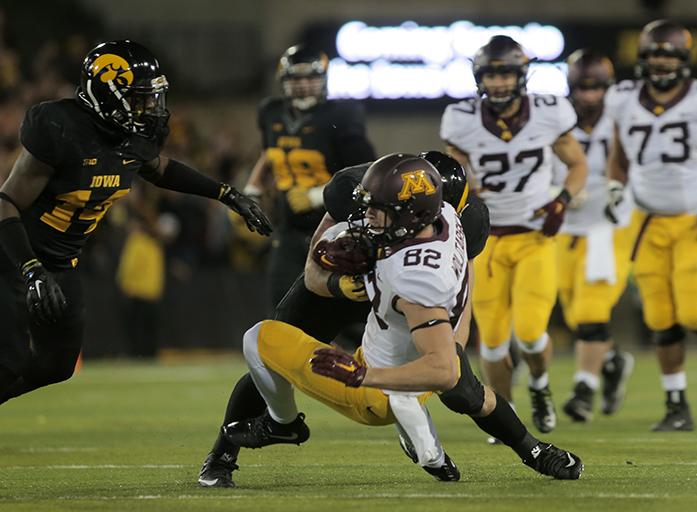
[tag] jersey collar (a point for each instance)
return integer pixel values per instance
(656, 108)
(506, 129)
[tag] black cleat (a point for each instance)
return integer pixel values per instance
(448, 472)
(549, 460)
(544, 417)
(615, 372)
(217, 471)
(677, 419)
(580, 406)
(264, 431)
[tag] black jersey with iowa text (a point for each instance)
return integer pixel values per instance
(91, 171)
(306, 148)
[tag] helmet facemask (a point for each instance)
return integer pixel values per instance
(303, 76)
(387, 224)
(500, 101)
(661, 76)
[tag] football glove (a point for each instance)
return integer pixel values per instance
(45, 299)
(347, 287)
(344, 255)
(247, 209)
(554, 213)
(338, 365)
(303, 200)
(615, 195)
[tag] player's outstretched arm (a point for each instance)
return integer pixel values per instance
(435, 370)
(28, 178)
(171, 174)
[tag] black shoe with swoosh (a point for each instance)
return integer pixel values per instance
(549, 460)
(264, 431)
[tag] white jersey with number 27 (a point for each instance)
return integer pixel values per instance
(513, 176)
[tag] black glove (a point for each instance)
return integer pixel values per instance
(248, 209)
(45, 299)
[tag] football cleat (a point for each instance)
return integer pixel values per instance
(580, 406)
(544, 417)
(677, 419)
(616, 371)
(264, 431)
(448, 472)
(549, 460)
(217, 471)
(493, 441)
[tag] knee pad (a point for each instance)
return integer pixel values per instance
(467, 397)
(536, 347)
(670, 336)
(495, 354)
(593, 332)
(250, 347)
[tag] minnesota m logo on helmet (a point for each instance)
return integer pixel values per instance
(415, 182)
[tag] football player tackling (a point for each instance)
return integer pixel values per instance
(418, 288)
(655, 154)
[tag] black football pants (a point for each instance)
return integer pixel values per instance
(35, 355)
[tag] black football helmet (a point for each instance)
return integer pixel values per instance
(669, 39)
(407, 188)
(300, 62)
(453, 176)
(500, 55)
(587, 69)
(122, 83)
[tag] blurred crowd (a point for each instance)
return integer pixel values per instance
(152, 236)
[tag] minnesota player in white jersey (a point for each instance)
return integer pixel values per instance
(655, 152)
(593, 255)
(418, 287)
(507, 139)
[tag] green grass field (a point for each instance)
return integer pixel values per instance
(125, 436)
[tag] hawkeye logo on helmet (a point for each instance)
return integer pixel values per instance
(415, 182)
(110, 67)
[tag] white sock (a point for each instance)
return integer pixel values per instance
(592, 381)
(540, 382)
(277, 392)
(674, 381)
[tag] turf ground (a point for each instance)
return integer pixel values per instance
(124, 436)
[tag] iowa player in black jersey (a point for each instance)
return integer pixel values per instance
(306, 139)
(327, 308)
(79, 156)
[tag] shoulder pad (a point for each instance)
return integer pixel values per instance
(420, 284)
(338, 193)
(42, 130)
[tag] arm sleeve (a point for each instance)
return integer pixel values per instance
(182, 178)
(40, 134)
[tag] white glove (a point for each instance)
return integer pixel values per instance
(615, 195)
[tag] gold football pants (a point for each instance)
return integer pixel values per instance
(665, 267)
(287, 351)
(515, 284)
(585, 302)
